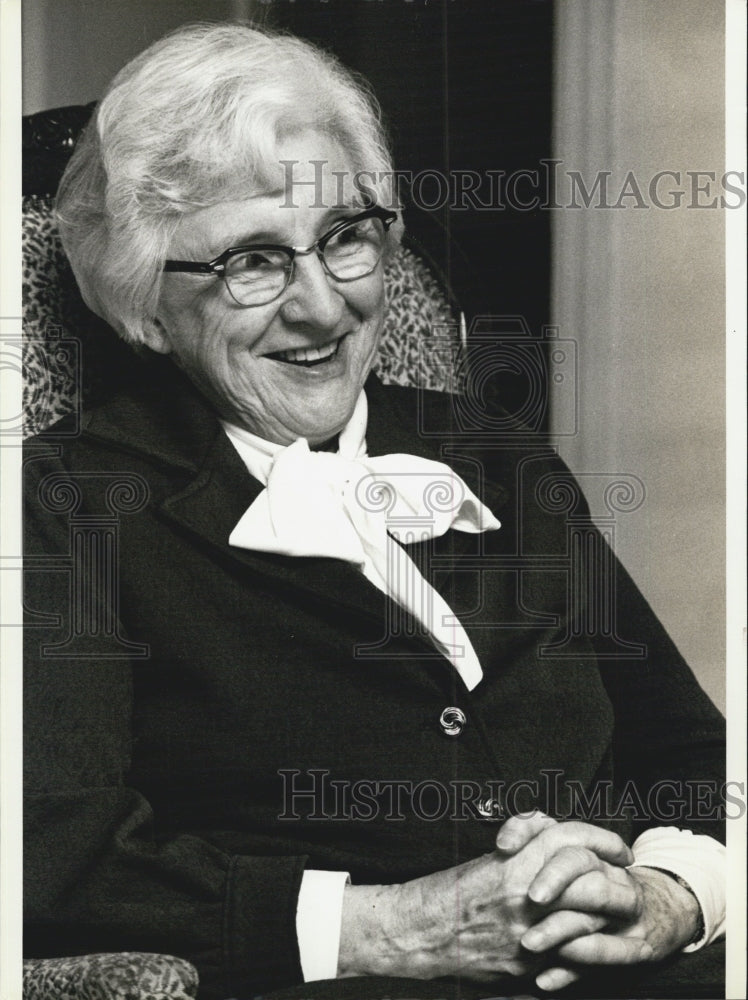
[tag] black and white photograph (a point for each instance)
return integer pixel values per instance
(373, 518)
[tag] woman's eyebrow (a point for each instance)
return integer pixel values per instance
(246, 238)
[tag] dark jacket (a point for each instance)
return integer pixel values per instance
(181, 692)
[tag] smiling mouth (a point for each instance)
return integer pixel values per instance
(308, 357)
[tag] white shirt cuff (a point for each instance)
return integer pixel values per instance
(319, 914)
(700, 861)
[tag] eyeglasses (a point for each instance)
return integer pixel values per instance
(258, 274)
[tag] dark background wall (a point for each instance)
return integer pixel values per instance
(464, 86)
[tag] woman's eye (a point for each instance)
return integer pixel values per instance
(257, 259)
(355, 234)
(350, 234)
(255, 262)
(358, 231)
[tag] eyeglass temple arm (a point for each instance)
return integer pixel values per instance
(192, 266)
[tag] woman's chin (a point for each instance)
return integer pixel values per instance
(319, 406)
(316, 417)
(283, 400)
(320, 427)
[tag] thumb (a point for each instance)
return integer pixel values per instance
(520, 830)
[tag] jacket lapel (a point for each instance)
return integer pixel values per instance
(170, 422)
(212, 503)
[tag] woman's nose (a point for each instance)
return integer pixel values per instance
(312, 296)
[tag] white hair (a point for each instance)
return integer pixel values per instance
(194, 120)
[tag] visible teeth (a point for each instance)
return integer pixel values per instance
(309, 353)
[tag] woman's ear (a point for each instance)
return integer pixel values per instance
(156, 337)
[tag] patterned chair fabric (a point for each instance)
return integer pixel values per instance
(122, 976)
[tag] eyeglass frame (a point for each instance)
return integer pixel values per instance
(217, 266)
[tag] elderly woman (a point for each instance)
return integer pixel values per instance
(330, 616)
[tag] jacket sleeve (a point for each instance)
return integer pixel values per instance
(96, 876)
(669, 738)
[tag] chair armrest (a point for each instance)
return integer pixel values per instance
(119, 976)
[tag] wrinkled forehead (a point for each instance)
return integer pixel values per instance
(305, 189)
(305, 169)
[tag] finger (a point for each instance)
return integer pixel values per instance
(609, 891)
(606, 949)
(556, 978)
(521, 829)
(607, 845)
(559, 927)
(566, 865)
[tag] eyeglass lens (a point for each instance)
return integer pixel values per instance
(256, 277)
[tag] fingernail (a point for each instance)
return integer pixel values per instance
(540, 894)
(554, 979)
(546, 981)
(504, 842)
(533, 941)
(647, 951)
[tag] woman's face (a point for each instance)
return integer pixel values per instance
(235, 354)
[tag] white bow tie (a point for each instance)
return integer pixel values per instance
(350, 506)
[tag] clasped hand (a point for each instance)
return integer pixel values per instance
(551, 899)
(597, 912)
